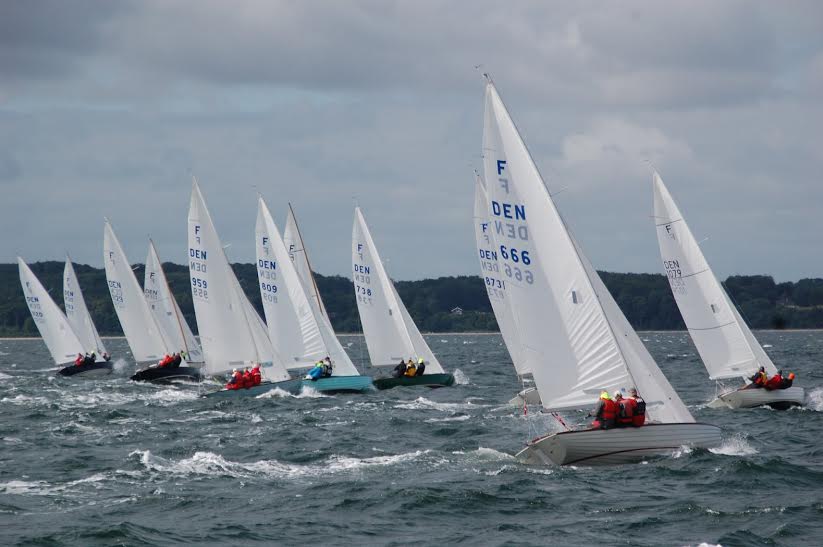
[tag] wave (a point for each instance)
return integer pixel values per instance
(460, 378)
(735, 446)
(211, 464)
(461, 418)
(4, 376)
(307, 392)
(36, 488)
(814, 399)
(422, 403)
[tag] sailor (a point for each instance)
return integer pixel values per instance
(421, 367)
(80, 360)
(176, 360)
(787, 381)
(256, 376)
(411, 369)
(759, 379)
(328, 369)
(236, 380)
(88, 359)
(248, 381)
(605, 412)
(625, 411)
(315, 372)
(400, 369)
(164, 361)
(106, 356)
(775, 382)
(184, 354)
(638, 408)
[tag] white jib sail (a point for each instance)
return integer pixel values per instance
(495, 286)
(390, 332)
(289, 315)
(142, 333)
(60, 339)
(77, 313)
(726, 346)
(565, 330)
(231, 332)
(166, 311)
(300, 258)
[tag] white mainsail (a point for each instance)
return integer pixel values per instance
(77, 313)
(166, 311)
(491, 273)
(725, 343)
(231, 332)
(60, 339)
(300, 258)
(390, 332)
(572, 332)
(142, 332)
(289, 315)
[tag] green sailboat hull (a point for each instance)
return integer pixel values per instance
(427, 380)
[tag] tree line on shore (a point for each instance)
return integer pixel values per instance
(445, 304)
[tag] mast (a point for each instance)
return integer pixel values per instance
(311, 272)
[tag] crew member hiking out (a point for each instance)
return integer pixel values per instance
(421, 367)
(411, 369)
(256, 376)
(399, 370)
(316, 372)
(605, 412)
(80, 360)
(775, 382)
(236, 381)
(759, 379)
(639, 408)
(625, 412)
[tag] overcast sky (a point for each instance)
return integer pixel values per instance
(108, 108)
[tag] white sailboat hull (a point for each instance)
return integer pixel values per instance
(749, 398)
(528, 396)
(617, 446)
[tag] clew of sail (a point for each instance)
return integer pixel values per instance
(77, 313)
(231, 332)
(142, 332)
(51, 322)
(495, 286)
(165, 310)
(390, 332)
(726, 345)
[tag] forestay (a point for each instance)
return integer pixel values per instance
(166, 311)
(231, 332)
(60, 339)
(289, 315)
(390, 332)
(726, 345)
(142, 332)
(495, 286)
(77, 313)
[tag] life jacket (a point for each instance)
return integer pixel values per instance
(79, 361)
(626, 416)
(610, 410)
(236, 381)
(639, 416)
(411, 370)
(774, 382)
(760, 379)
(256, 376)
(248, 381)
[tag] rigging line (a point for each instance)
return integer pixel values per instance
(712, 328)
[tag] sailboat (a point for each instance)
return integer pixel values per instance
(725, 343)
(569, 327)
(147, 341)
(391, 335)
(63, 341)
(496, 290)
(169, 319)
(232, 334)
(299, 330)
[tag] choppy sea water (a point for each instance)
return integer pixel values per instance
(112, 462)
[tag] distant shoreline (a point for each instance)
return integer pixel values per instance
(21, 338)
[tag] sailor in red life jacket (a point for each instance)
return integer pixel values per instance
(165, 361)
(775, 382)
(638, 408)
(605, 412)
(759, 379)
(236, 381)
(248, 381)
(80, 360)
(625, 412)
(256, 376)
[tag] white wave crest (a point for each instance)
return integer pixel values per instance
(33, 488)
(461, 418)
(814, 399)
(209, 463)
(4, 376)
(422, 403)
(119, 365)
(734, 446)
(460, 378)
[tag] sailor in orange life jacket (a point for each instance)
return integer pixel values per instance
(236, 381)
(256, 376)
(605, 412)
(775, 382)
(638, 408)
(625, 410)
(759, 379)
